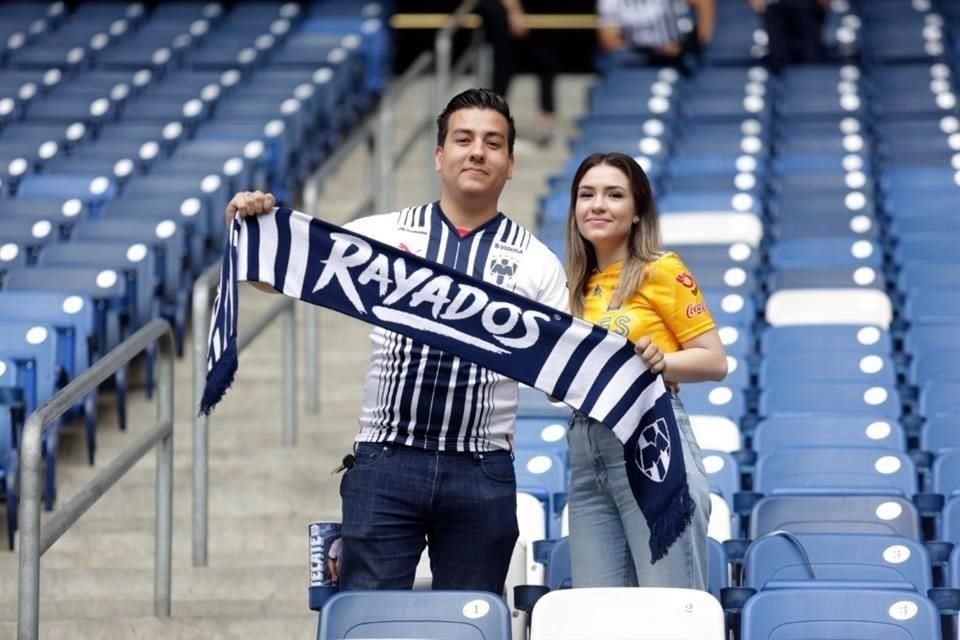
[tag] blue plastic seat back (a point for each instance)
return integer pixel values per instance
(926, 338)
(825, 252)
(414, 615)
(540, 474)
(771, 434)
(100, 285)
(932, 365)
(940, 433)
(836, 514)
(835, 470)
(723, 473)
(946, 473)
(795, 339)
(949, 521)
(849, 613)
(136, 261)
(36, 343)
(542, 435)
(845, 366)
(717, 399)
(812, 398)
(73, 316)
(939, 398)
(817, 557)
(826, 278)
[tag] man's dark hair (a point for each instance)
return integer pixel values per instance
(476, 99)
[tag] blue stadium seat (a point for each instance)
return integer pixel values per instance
(839, 613)
(946, 473)
(8, 469)
(544, 435)
(940, 433)
(710, 398)
(413, 615)
(835, 514)
(939, 398)
(771, 434)
(820, 338)
(845, 366)
(723, 474)
(813, 558)
(812, 398)
(543, 476)
(835, 471)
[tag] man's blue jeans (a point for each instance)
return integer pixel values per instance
(396, 499)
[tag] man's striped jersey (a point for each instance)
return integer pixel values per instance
(646, 23)
(422, 397)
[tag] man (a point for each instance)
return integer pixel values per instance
(505, 28)
(659, 29)
(793, 29)
(432, 457)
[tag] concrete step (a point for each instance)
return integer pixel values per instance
(205, 583)
(99, 611)
(176, 628)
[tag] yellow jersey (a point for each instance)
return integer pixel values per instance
(668, 306)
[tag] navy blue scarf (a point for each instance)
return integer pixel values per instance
(585, 366)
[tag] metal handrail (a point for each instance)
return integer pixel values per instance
(34, 541)
(202, 288)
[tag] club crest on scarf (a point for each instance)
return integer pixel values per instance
(652, 455)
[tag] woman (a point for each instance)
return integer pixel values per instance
(621, 280)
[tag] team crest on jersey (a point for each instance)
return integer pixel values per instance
(502, 269)
(597, 291)
(652, 455)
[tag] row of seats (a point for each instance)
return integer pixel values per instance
(124, 131)
(812, 206)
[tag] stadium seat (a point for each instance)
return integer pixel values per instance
(398, 615)
(839, 613)
(835, 514)
(622, 613)
(835, 471)
(817, 557)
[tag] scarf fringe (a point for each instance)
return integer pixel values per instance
(670, 525)
(219, 379)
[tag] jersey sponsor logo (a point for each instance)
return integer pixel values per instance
(498, 246)
(696, 309)
(687, 281)
(354, 264)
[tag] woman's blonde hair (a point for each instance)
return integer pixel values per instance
(643, 245)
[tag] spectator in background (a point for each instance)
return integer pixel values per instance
(661, 30)
(505, 28)
(794, 29)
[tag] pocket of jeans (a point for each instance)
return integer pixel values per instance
(499, 468)
(367, 453)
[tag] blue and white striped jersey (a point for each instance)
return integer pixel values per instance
(420, 396)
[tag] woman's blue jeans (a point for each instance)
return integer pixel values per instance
(609, 537)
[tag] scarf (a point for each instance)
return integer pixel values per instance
(585, 366)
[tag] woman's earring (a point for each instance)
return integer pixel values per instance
(636, 220)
